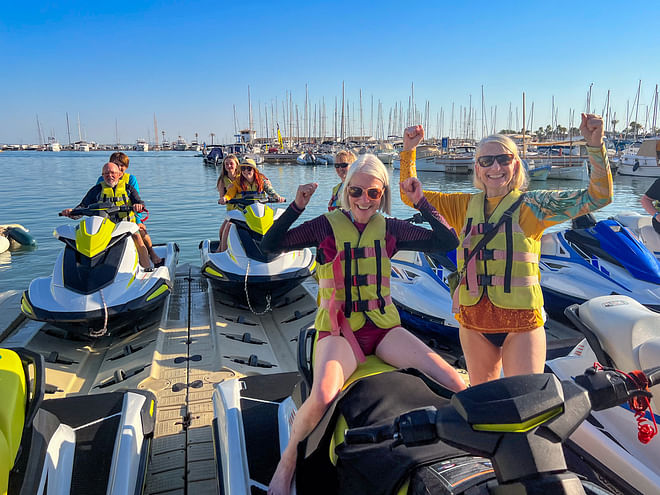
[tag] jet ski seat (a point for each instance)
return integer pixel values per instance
(627, 331)
(13, 390)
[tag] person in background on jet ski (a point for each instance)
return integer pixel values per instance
(651, 203)
(343, 159)
(371, 323)
(113, 188)
(500, 326)
(121, 160)
(249, 182)
(228, 174)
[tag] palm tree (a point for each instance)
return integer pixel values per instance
(212, 136)
(614, 123)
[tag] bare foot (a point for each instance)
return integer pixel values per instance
(281, 482)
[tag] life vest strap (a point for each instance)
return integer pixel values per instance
(356, 281)
(500, 254)
(356, 306)
(362, 252)
(493, 280)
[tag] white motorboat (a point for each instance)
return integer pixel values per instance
(180, 144)
(141, 145)
(426, 159)
(458, 160)
(645, 162)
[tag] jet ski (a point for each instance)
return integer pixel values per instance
(419, 289)
(595, 259)
(619, 333)
(243, 273)
(641, 226)
(97, 286)
(382, 447)
(96, 443)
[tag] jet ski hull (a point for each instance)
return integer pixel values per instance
(130, 301)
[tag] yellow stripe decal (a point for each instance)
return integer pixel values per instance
(158, 292)
(520, 427)
(210, 270)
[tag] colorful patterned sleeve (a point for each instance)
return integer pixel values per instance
(552, 207)
(452, 206)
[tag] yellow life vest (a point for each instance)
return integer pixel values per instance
(335, 200)
(119, 196)
(361, 266)
(227, 182)
(508, 267)
(250, 188)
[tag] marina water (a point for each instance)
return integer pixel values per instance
(179, 192)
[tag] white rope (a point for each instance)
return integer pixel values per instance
(104, 330)
(247, 296)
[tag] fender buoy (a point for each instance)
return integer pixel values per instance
(21, 236)
(636, 166)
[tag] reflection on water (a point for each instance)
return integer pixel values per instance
(182, 200)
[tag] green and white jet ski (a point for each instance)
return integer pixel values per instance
(98, 286)
(76, 445)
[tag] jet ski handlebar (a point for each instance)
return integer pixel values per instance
(99, 210)
(250, 201)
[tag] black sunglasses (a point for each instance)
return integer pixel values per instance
(487, 160)
(341, 165)
(372, 192)
(245, 168)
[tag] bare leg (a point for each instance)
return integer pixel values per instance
(334, 362)
(223, 236)
(483, 359)
(402, 349)
(143, 254)
(148, 244)
(524, 352)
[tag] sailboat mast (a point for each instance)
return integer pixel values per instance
(343, 95)
(68, 130)
(524, 129)
(249, 110)
(156, 132)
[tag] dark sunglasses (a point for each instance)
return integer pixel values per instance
(487, 160)
(341, 165)
(246, 168)
(372, 192)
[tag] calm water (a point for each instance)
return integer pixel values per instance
(180, 194)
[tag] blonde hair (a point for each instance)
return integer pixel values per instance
(519, 179)
(369, 164)
(347, 155)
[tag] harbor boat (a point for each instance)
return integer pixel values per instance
(457, 160)
(569, 160)
(536, 172)
(386, 153)
(141, 145)
(214, 155)
(81, 146)
(97, 287)
(594, 259)
(306, 158)
(180, 144)
(642, 227)
(53, 145)
(644, 163)
(243, 272)
(425, 159)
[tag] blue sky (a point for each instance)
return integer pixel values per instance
(191, 62)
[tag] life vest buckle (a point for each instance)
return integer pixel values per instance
(485, 280)
(360, 306)
(359, 280)
(358, 252)
(484, 228)
(486, 255)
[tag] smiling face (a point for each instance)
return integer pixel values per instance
(497, 177)
(230, 167)
(248, 173)
(111, 174)
(363, 207)
(341, 168)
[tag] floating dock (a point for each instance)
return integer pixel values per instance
(199, 342)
